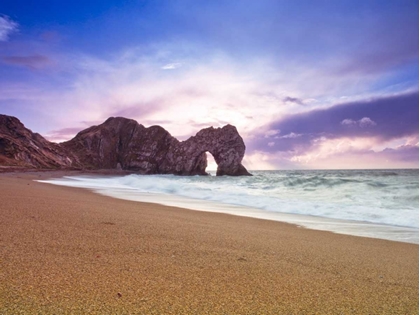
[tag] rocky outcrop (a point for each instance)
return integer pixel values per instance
(189, 157)
(21, 147)
(121, 143)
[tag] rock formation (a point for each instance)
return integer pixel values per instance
(189, 157)
(121, 143)
(22, 148)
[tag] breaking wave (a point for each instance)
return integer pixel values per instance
(388, 197)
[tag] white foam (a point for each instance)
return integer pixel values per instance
(352, 201)
(260, 198)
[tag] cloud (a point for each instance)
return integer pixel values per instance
(140, 109)
(344, 42)
(209, 87)
(349, 122)
(364, 122)
(31, 62)
(392, 116)
(317, 136)
(133, 85)
(293, 100)
(7, 27)
(341, 153)
(63, 134)
(323, 148)
(404, 153)
(171, 66)
(271, 133)
(336, 154)
(291, 135)
(257, 76)
(260, 160)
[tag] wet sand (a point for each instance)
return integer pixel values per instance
(70, 251)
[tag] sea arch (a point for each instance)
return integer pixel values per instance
(224, 144)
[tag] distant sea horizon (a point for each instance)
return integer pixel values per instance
(378, 203)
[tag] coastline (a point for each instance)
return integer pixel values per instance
(124, 187)
(69, 250)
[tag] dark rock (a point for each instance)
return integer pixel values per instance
(123, 144)
(189, 157)
(19, 146)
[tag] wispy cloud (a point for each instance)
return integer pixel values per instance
(171, 66)
(364, 122)
(342, 153)
(291, 135)
(335, 154)
(7, 27)
(210, 94)
(271, 133)
(385, 117)
(220, 92)
(31, 62)
(188, 65)
(293, 100)
(316, 137)
(63, 134)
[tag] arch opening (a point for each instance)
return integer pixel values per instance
(211, 164)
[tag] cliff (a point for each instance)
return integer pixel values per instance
(121, 143)
(22, 148)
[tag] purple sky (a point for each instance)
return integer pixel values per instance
(308, 83)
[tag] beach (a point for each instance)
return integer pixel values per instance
(71, 251)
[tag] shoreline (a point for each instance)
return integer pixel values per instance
(340, 226)
(69, 250)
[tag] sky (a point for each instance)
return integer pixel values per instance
(309, 84)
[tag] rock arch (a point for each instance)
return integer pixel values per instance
(123, 143)
(225, 144)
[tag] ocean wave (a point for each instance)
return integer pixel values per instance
(366, 197)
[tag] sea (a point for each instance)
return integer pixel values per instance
(370, 203)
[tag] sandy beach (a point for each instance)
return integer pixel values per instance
(70, 251)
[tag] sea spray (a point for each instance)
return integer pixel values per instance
(385, 197)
